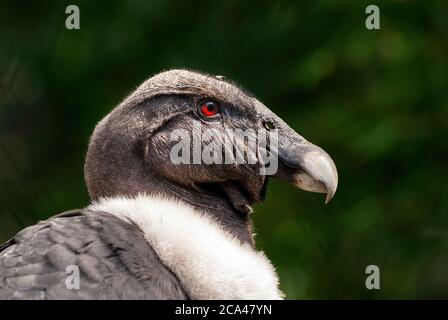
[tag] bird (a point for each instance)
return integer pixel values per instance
(155, 229)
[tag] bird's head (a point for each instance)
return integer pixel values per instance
(195, 133)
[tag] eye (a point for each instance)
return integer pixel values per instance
(209, 108)
(269, 125)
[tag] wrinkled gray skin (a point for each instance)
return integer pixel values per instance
(129, 154)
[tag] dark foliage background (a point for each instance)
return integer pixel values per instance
(375, 100)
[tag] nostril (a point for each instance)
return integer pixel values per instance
(269, 125)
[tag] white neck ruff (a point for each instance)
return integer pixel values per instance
(210, 262)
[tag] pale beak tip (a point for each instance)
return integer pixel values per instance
(329, 197)
(331, 190)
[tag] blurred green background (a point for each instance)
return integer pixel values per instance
(377, 101)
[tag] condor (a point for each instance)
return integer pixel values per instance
(159, 230)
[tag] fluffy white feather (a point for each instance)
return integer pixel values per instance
(210, 262)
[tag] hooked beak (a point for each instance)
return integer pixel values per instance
(308, 167)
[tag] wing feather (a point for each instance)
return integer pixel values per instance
(114, 260)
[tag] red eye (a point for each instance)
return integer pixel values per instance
(209, 109)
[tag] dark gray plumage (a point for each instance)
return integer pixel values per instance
(129, 154)
(33, 264)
